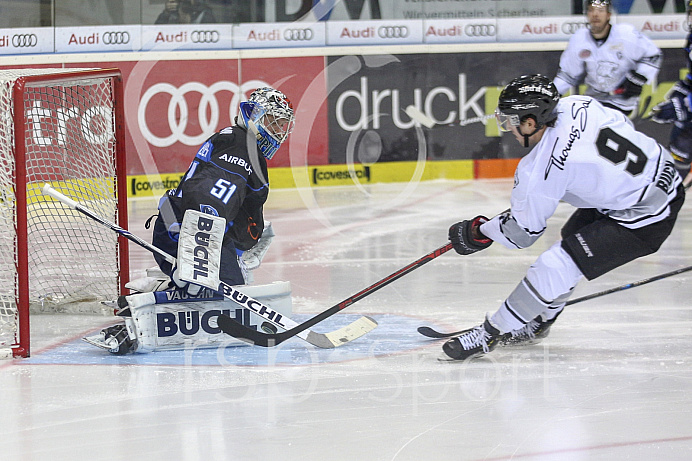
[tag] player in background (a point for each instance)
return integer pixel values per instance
(227, 178)
(622, 182)
(676, 109)
(614, 60)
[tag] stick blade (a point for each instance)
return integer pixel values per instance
(239, 331)
(434, 334)
(418, 116)
(350, 332)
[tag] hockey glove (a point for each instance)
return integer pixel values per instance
(191, 288)
(673, 110)
(463, 236)
(632, 86)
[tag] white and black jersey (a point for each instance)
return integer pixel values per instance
(603, 64)
(591, 158)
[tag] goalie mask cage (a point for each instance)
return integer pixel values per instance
(64, 127)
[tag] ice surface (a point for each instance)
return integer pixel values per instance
(612, 381)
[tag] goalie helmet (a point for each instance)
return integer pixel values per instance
(532, 96)
(268, 113)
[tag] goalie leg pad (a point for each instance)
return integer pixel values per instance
(176, 326)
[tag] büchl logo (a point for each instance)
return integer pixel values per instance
(178, 112)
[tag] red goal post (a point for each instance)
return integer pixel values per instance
(66, 127)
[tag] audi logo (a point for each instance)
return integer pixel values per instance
(292, 35)
(480, 30)
(116, 38)
(571, 27)
(205, 36)
(24, 40)
(179, 116)
(392, 31)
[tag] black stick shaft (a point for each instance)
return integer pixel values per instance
(432, 333)
(629, 285)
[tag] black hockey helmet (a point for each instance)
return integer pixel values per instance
(597, 3)
(532, 96)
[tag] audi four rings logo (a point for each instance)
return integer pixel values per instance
(572, 27)
(24, 40)
(392, 31)
(480, 30)
(180, 115)
(292, 35)
(205, 36)
(116, 38)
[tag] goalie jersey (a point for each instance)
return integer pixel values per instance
(225, 180)
(592, 158)
(603, 65)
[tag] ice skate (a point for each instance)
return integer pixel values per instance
(474, 342)
(113, 339)
(532, 333)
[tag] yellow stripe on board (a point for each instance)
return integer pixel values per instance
(343, 175)
(80, 189)
(323, 175)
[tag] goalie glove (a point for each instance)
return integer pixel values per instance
(632, 86)
(466, 236)
(252, 258)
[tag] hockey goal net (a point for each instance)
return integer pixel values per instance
(63, 127)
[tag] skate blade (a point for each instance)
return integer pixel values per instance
(98, 342)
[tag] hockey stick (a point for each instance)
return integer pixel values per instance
(239, 331)
(642, 114)
(326, 341)
(431, 333)
(418, 116)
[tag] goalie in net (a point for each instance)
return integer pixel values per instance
(227, 180)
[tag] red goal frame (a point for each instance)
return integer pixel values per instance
(21, 348)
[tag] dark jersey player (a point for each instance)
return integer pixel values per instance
(676, 109)
(228, 178)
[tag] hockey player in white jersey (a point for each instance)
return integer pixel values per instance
(614, 60)
(622, 182)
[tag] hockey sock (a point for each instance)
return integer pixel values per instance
(504, 320)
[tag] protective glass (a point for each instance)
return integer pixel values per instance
(506, 121)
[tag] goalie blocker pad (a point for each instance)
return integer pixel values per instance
(199, 248)
(176, 321)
